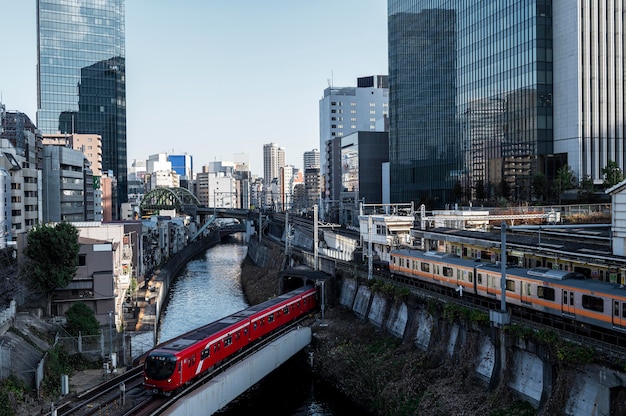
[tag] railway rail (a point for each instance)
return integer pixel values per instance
(125, 394)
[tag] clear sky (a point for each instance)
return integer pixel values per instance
(214, 78)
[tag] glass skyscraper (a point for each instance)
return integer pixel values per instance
(82, 76)
(491, 94)
(470, 97)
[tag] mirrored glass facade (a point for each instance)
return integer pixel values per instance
(470, 97)
(82, 76)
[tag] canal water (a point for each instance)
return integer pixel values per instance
(209, 289)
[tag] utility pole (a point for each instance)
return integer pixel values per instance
(315, 238)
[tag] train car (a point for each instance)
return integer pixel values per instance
(558, 292)
(176, 362)
(442, 268)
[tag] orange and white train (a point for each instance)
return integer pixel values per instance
(556, 292)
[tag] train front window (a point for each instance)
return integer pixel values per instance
(160, 367)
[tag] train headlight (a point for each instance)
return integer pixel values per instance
(169, 380)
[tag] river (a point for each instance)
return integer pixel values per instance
(209, 289)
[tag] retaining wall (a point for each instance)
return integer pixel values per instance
(530, 372)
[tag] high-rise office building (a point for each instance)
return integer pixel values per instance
(81, 86)
(343, 111)
(495, 93)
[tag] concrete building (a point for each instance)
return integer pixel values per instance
(159, 172)
(91, 146)
(345, 110)
(273, 160)
(312, 187)
(5, 208)
(20, 157)
(93, 283)
(288, 178)
(311, 159)
(67, 185)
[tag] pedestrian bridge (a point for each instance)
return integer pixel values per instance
(228, 385)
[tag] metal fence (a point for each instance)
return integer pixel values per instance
(102, 345)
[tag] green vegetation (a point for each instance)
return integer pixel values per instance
(565, 179)
(453, 312)
(51, 258)
(81, 319)
(612, 174)
(389, 289)
(565, 352)
(12, 391)
(58, 362)
(10, 285)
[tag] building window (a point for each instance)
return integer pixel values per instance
(82, 259)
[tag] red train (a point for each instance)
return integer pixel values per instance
(178, 361)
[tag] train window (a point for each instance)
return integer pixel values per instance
(448, 271)
(416, 265)
(593, 303)
(615, 308)
(471, 277)
(205, 353)
(255, 325)
(480, 278)
(425, 267)
(270, 318)
(510, 285)
(227, 341)
(437, 269)
(286, 310)
(546, 293)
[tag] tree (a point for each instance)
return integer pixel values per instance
(81, 318)
(505, 189)
(11, 286)
(585, 190)
(51, 258)
(564, 180)
(612, 174)
(481, 192)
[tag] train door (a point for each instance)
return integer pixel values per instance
(619, 314)
(567, 304)
(491, 284)
(526, 292)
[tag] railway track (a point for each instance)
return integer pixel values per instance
(125, 394)
(606, 341)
